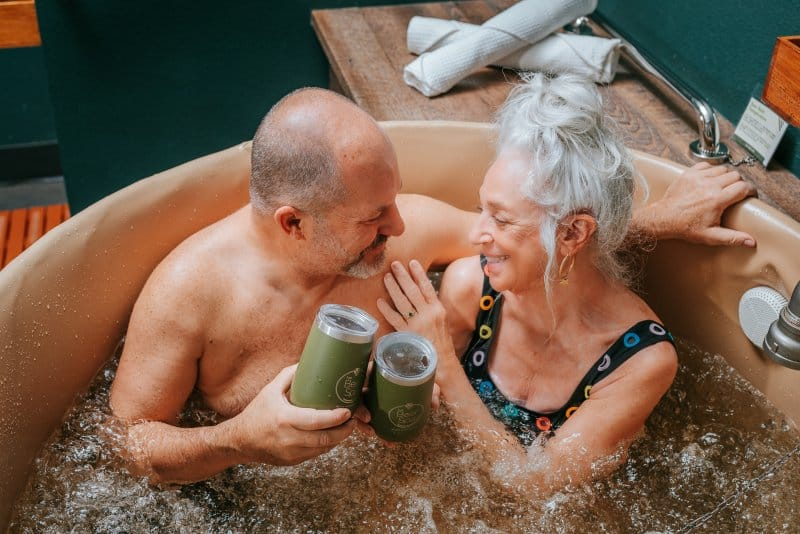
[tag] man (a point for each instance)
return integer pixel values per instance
(228, 311)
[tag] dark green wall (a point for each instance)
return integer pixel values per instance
(138, 87)
(27, 133)
(721, 49)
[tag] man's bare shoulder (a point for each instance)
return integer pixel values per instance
(196, 271)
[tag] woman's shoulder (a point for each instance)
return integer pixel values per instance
(464, 277)
(461, 290)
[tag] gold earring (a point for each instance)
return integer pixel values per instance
(563, 274)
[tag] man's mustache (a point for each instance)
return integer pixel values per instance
(379, 240)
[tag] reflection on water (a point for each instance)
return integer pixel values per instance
(709, 448)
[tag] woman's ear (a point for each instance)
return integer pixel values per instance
(575, 233)
(290, 220)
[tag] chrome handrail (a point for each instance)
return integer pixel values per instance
(708, 147)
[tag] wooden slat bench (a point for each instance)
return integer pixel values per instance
(20, 228)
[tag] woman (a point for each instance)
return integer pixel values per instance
(542, 326)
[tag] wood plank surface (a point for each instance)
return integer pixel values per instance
(21, 228)
(366, 49)
(15, 242)
(35, 228)
(5, 219)
(782, 88)
(18, 24)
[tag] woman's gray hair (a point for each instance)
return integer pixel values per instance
(577, 163)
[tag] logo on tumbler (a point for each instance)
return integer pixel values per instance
(349, 386)
(406, 415)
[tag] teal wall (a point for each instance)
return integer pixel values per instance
(27, 132)
(721, 49)
(139, 87)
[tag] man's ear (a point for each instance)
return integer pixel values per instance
(575, 233)
(290, 220)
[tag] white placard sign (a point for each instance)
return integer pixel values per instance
(760, 130)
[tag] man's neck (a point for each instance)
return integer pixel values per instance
(283, 266)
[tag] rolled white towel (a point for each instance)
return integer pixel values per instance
(596, 58)
(522, 24)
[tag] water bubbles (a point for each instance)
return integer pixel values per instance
(709, 438)
(693, 455)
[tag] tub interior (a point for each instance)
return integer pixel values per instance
(65, 302)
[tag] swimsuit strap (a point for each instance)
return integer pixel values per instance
(638, 337)
(476, 356)
(526, 424)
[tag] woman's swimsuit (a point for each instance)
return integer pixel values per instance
(527, 424)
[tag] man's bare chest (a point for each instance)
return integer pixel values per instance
(258, 337)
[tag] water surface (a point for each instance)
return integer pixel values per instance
(715, 457)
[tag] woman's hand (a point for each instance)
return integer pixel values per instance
(416, 307)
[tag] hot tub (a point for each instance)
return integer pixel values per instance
(65, 302)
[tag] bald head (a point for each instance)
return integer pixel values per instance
(301, 146)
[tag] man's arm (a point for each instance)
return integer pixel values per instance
(436, 232)
(692, 207)
(270, 430)
(156, 374)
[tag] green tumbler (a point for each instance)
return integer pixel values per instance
(401, 386)
(333, 365)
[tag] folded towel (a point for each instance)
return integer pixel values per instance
(522, 24)
(596, 58)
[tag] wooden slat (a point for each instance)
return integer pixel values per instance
(782, 88)
(18, 24)
(22, 227)
(35, 227)
(5, 216)
(16, 235)
(53, 216)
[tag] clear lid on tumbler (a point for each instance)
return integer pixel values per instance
(346, 323)
(405, 358)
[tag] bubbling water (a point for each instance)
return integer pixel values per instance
(715, 457)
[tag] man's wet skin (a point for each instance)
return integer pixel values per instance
(249, 287)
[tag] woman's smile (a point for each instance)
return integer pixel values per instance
(494, 264)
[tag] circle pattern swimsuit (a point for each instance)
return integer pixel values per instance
(527, 424)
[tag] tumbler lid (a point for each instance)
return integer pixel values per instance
(346, 323)
(405, 358)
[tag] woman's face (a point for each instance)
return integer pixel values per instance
(507, 229)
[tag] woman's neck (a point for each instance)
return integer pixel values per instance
(580, 301)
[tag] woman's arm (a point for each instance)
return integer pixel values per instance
(595, 440)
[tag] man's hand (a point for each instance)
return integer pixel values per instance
(692, 207)
(272, 430)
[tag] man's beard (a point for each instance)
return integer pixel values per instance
(356, 267)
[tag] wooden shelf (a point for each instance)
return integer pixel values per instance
(18, 24)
